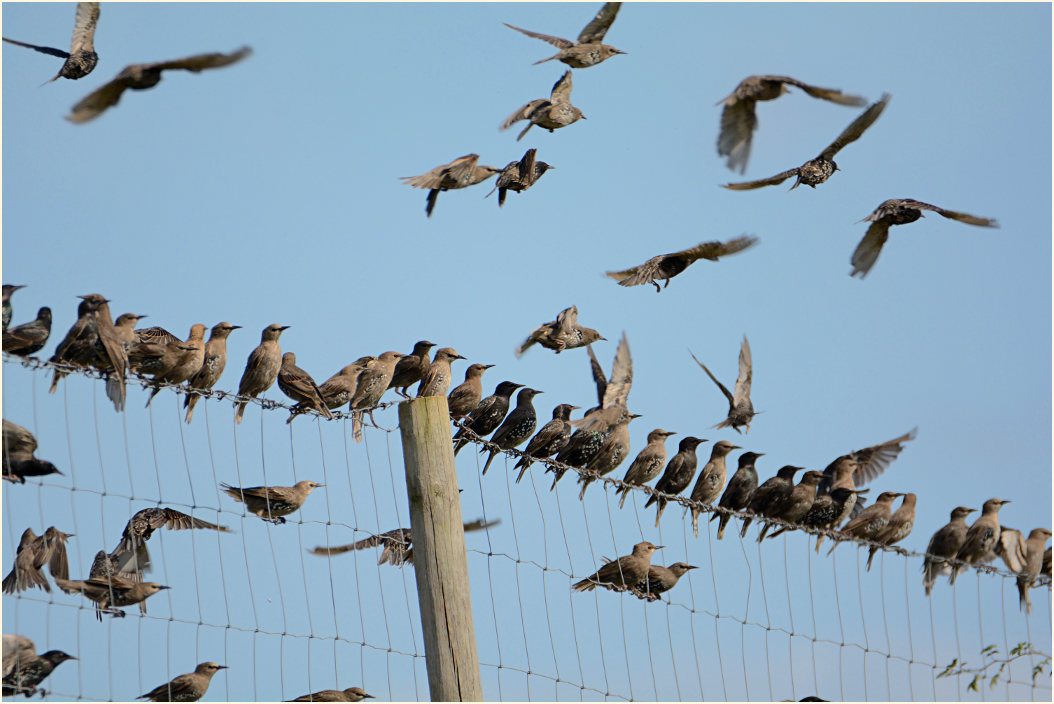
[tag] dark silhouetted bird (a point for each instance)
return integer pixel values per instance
(796, 505)
(212, 365)
(860, 467)
(943, 546)
(827, 510)
(272, 502)
(78, 346)
(899, 527)
(678, 475)
(488, 415)
(898, 211)
(623, 573)
(411, 368)
(519, 425)
(872, 520)
(143, 76)
(261, 369)
(8, 290)
(19, 446)
(661, 579)
(666, 266)
(81, 58)
(648, 463)
(110, 592)
(549, 440)
(980, 538)
(1035, 547)
(28, 338)
(770, 493)
(552, 114)
(298, 385)
(436, 381)
(397, 544)
(24, 669)
(587, 50)
(740, 409)
(561, 334)
(739, 120)
(352, 694)
(711, 481)
(460, 173)
(467, 395)
(519, 175)
(816, 171)
(131, 555)
(739, 491)
(186, 688)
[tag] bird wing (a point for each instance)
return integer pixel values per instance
(42, 49)
(436, 177)
(746, 375)
(724, 389)
(866, 253)
(19, 443)
(480, 524)
(831, 94)
(58, 562)
(1012, 548)
(84, 27)
(637, 275)
(399, 536)
(856, 128)
(617, 391)
(738, 122)
(872, 461)
(714, 250)
(526, 170)
(770, 181)
(156, 335)
(524, 113)
(93, 104)
(562, 89)
(199, 62)
(961, 217)
(599, 378)
(558, 42)
(567, 319)
(175, 520)
(598, 27)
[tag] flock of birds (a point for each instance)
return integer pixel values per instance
(828, 503)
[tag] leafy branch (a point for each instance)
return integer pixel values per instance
(990, 655)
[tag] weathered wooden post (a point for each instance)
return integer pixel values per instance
(440, 561)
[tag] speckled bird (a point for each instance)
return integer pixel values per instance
(552, 114)
(666, 266)
(587, 50)
(740, 408)
(519, 175)
(460, 173)
(81, 59)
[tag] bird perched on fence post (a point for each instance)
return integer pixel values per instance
(81, 58)
(519, 175)
(678, 475)
(549, 440)
(467, 395)
(647, 465)
(740, 489)
(898, 528)
(943, 546)
(261, 369)
(488, 415)
(436, 379)
(186, 688)
(298, 385)
(411, 368)
(623, 573)
(271, 503)
(19, 447)
(561, 334)
(740, 409)
(666, 266)
(711, 481)
(551, 114)
(8, 311)
(24, 669)
(212, 365)
(352, 694)
(460, 173)
(516, 427)
(1035, 547)
(30, 337)
(587, 50)
(980, 538)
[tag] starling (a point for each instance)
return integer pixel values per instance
(898, 528)
(981, 537)
(352, 694)
(678, 475)
(797, 503)
(110, 592)
(1011, 547)
(551, 114)
(739, 491)
(872, 520)
(1034, 551)
(102, 566)
(859, 467)
(153, 351)
(561, 334)
(8, 290)
(187, 365)
(519, 425)
(24, 669)
(898, 211)
(411, 368)
(771, 491)
(212, 365)
(738, 119)
(397, 544)
(818, 170)
(77, 347)
(339, 388)
(81, 58)
(30, 556)
(460, 173)
(520, 175)
(661, 579)
(587, 50)
(18, 449)
(488, 415)
(667, 266)
(131, 555)
(647, 464)
(711, 481)
(624, 573)
(436, 381)
(185, 688)
(549, 440)
(28, 338)
(261, 369)
(299, 386)
(110, 355)
(943, 546)
(143, 76)
(373, 382)
(610, 455)
(827, 510)
(467, 395)
(740, 409)
(272, 502)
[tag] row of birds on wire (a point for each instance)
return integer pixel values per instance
(738, 124)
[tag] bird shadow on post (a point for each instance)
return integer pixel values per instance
(440, 560)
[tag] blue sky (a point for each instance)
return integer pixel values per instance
(268, 192)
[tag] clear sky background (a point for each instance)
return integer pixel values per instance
(268, 192)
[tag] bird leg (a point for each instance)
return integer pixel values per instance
(658, 289)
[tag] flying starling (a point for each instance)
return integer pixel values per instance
(739, 121)
(519, 175)
(299, 386)
(739, 491)
(860, 467)
(740, 409)
(549, 440)
(261, 369)
(678, 475)
(19, 446)
(771, 492)
(352, 694)
(460, 173)
(185, 688)
(898, 211)
(81, 58)
(816, 171)
(397, 544)
(552, 114)
(143, 76)
(666, 266)
(131, 555)
(467, 395)
(561, 334)
(899, 527)
(272, 502)
(411, 368)
(488, 415)
(981, 537)
(711, 481)
(647, 465)
(24, 669)
(29, 338)
(516, 427)
(943, 546)
(212, 365)
(587, 50)
(110, 592)
(8, 290)
(436, 381)
(32, 554)
(623, 573)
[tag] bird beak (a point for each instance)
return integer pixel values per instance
(221, 667)
(692, 567)
(368, 696)
(619, 51)
(236, 327)
(461, 357)
(285, 327)
(164, 587)
(659, 547)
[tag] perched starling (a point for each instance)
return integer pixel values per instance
(77, 347)
(520, 175)
(740, 409)
(981, 537)
(898, 211)
(188, 363)
(272, 502)
(436, 381)
(373, 382)
(827, 510)
(711, 481)
(610, 455)
(661, 579)
(943, 546)
(872, 520)
(561, 334)
(460, 173)
(587, 50)
(261, 369)
(299, 386)
(8, 290)
(549, 440)
(678, 475)
(771, 492)
(397, 544)
(28, 338)
(185, 688)
(860, 467)
(352, 694)
(339, 388)
(143, 76)
(24, 669)
(18, 450)
(154, 350)
(667, 266)
(110, 355)
(1034, 550)
(898, 528)
(739, 491)
(131, 555)
(796, 504)
(738, 119)
(110, 592)
(647, 464)
(488, 415)
(467, 395)
(624, 573)
(519, 425)
(81, 58)
(818, 170)
(212, 365)
(551, 114)
(411, 368)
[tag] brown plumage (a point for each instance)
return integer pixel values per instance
(213, 362)
(187, 364)
(110, 592)
(30, 337)
(860, 467)
(143, 76)
(980, 538)
(272, 502)
(899, 211)
(186, 688)
(872, 520)
(678, 475)
(436, 381)
(561, 334)
(397, 544)
(816, 171)
(32, 554)
(460, 173)
(739, 119)
(411, 368)
(610, 455)
(298, 385)
(519, 175)
(1035, 547)
(623, 573)
(711, 481)
(943, 546)
(373, 382)
(666, 266)
(740, 408)
(467, 395)
(261, 369)
(19, 447)
(8, 291)
(488, 415)
(661, 580)
(796, 505)
(81, 58)
(339, 388)
(549, 440)
(352, 694)
(587, 50)
(552, 114)
(77, 347)
(110, 353)
(647, 464)
(131, 555)
(899, 527)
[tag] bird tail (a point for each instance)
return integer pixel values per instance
(585, 480)
(430, 201)
(746, 524)
(658, 514)
(554, 56)
(1023, 584)
(584, 586)
(239, 411)
(529, 124)
(55, 379)
(524, 346)
(559, 473)
(722, 521)
(763, 531)
(115, 390)
(695, 521)
(871, 556)
(929, 575)
(356, 426)
(189, 403)
(490, 459)
(625, 492)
